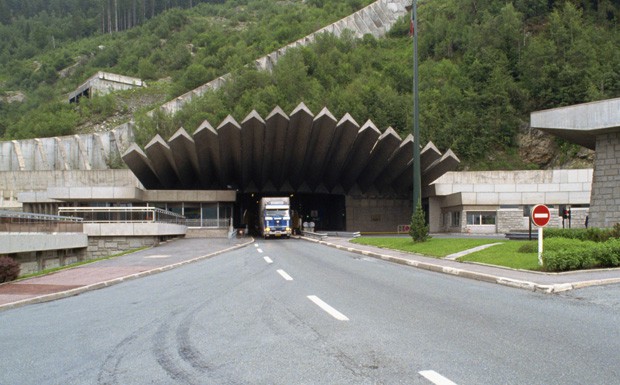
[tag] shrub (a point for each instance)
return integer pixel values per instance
(418, 229)
(590, 234)
(565, 254)
(9, 269)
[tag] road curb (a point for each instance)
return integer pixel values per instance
(115, 281)
(509, 282)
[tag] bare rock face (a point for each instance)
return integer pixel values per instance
(542, 149)
(13, 97)
(537, 147)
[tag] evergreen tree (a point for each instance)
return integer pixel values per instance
(418, 229)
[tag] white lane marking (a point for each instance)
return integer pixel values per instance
(435, 377)
(284, 275)
(330, 310)
(157, 256)
(256, 245)
(260, 250)
(267, 259)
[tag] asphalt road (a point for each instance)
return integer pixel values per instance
(295, 312)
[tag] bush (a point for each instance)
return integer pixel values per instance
(9, 269)
(591, 234)
(566, 254)
(418, 229)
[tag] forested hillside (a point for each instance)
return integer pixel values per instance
(44, 57)
(484, 66)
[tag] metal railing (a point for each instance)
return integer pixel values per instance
(206, 222)
(122, 214)
(20, 222)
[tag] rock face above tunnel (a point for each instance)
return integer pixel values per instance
(302, 152)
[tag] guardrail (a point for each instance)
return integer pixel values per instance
(20, 222)
(122, 214)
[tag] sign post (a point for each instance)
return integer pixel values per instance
(540, 216)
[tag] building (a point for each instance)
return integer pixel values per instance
(596, 126)
(103, 83)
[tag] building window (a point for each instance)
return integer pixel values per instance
(481, 218)
(455, 218)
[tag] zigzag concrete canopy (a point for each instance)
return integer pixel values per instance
(297, 153)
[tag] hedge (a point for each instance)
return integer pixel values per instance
(565, 254)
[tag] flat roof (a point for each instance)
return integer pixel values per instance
(580, 123)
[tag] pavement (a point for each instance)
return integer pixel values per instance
(176, 253)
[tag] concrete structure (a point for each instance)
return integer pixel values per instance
(302, 153)
(596, 126)
(376, 19)
(499, 201)
(98, 151)
(103, 83)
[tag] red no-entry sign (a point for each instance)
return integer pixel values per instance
(541, 215)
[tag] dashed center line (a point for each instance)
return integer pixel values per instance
(328, 309)
(435, 377)
(259, 250)
(267, 259)
(285, 275)
(256, 245)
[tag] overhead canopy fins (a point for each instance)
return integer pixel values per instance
(299, 152)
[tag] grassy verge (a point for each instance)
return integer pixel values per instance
(434, 247)
(507, 255)
(55, 269)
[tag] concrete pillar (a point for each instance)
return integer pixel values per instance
(605, 201)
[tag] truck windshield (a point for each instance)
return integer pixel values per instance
(276, 213)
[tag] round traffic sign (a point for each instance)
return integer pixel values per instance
(541, 215)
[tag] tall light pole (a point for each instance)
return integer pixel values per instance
(417, 179)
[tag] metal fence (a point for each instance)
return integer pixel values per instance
(205, 222)
(122, 214)
(20, 222)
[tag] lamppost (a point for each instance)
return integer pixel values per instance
(417, 180)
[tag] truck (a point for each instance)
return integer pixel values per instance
(275, 217)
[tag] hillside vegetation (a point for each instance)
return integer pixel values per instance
(484, 66)
(45, 56)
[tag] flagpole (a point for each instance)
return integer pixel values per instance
(417, 195)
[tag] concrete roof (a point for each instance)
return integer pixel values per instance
(580, 123)
(297, 153)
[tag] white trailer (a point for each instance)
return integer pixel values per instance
(275, 217)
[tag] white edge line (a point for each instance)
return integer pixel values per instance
(284, 275)
(435, 377)
(330, 310)
(268, 260)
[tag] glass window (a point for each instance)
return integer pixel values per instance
(192, 213)
(455, 218)
(481, 218)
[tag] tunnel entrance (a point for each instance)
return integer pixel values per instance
(327, 211)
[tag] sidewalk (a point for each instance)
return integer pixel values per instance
(96, 275)
(523, 279)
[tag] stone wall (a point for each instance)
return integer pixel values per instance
(100, 247)
(35, 261)
(510, 220)
(377, 215)
(605, 205)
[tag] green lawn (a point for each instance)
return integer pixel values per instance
(507, 255)
(434, 247)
